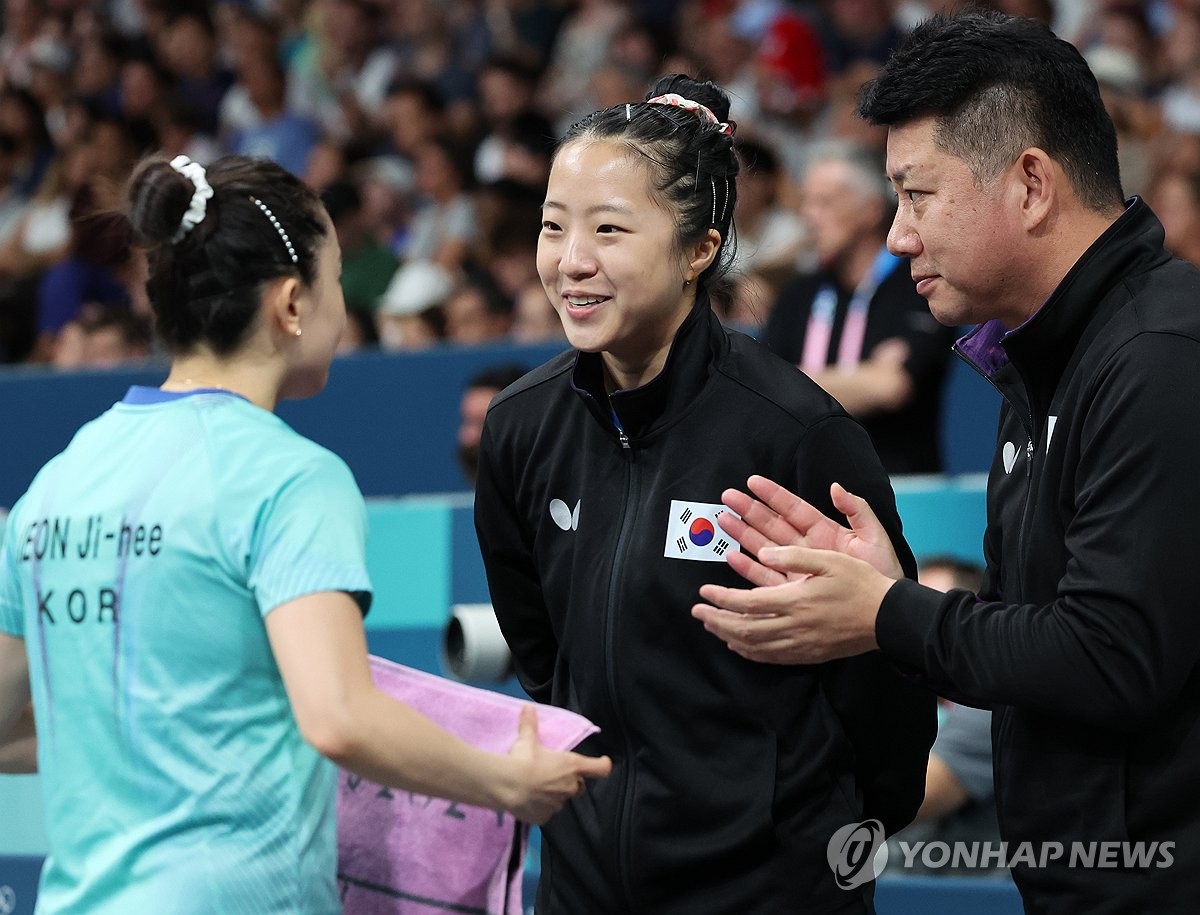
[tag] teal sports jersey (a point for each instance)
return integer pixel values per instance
(138, 568)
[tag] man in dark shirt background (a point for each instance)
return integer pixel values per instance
(857, 326)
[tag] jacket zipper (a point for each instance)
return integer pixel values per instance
(1026, 420)
(628, 514)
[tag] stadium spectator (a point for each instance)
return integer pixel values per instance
(367, 265)
(476, 397)
(857, 326)
(103, 337)
(477, 312)
(1175, 198)
(410, 315)
(286, 139)
(444, 224)
(534, 318)
(771, 239)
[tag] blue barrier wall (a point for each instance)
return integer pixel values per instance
(394, 418)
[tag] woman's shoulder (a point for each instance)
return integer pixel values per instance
(546, 381)
(254, 446)
(774, 384)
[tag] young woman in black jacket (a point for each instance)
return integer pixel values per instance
(600, 482)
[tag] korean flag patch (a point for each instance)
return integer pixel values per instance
(693, 532)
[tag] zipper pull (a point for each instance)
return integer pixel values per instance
(1029, 459)
(624, 439)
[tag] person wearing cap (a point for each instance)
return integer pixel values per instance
(409, 314)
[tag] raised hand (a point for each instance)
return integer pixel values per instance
(778, 517)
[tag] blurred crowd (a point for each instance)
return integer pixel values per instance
(428, 126)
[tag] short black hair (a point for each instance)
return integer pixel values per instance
(431, 99)
(341, 198)
(497, 376)
(756, 158)
(996, 85)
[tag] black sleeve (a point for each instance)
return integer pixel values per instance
(890, 719)
(1117, 644)
(516, 590)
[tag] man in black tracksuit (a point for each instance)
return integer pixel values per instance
(1085, 636)
(1086, 639)
(730, 777)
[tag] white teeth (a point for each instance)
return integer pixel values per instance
(579, 300)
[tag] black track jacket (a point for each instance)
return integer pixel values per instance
(729, 776)
(1087, 634)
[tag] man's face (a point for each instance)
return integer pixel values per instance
(838, 210)
(963, 240)
(473, 408)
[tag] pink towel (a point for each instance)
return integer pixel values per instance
(408, 854)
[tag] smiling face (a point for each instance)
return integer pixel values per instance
(964, 241)
(610, 262)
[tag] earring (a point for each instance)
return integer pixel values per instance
(298, 331)
(687, 283)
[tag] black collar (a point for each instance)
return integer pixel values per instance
(1040, 349)
(646, 409)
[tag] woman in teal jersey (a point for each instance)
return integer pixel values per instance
(182, 593)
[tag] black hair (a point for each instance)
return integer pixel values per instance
(431, 99)
(757, 158)
(340, 199)
(498, 376)
(996, 85)
(199, 12)
(134, 328)
(139, 133)
(512, 66)
(692, 164)
(517, 229)
(481, 283)
(533, 132)
(205, 287)
(458, 156)
(33, 111)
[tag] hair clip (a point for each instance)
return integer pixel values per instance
(287, 242)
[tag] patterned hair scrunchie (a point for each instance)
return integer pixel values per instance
(701, 111)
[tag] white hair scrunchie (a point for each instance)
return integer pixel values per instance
(194, 172)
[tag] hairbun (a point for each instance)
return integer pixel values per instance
(158, 198)
(705, 93)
